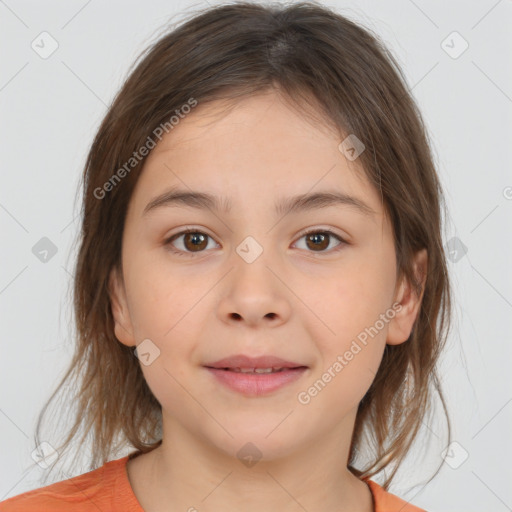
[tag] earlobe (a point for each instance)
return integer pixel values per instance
(122, 323)
(400, 327)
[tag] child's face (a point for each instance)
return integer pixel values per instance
(301, 299)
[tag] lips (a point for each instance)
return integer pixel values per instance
(255, 376)
(256, 384)
(241, 362)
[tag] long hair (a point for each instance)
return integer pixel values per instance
(329, 67)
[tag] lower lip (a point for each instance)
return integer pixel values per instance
(256, 384)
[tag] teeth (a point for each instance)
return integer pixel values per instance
(256, 370)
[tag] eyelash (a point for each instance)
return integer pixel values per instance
(179, 252)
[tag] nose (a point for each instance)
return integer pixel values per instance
(254, 294)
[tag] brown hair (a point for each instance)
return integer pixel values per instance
(326, 65)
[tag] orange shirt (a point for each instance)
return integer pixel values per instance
(108, 489)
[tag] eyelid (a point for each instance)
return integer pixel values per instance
(186, 229)
(322, 229)
(306, 231)
(331, 233)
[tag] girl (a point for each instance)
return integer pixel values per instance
(261, 292)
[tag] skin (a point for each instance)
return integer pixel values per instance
(207, 305)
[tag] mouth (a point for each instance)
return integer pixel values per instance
(255, 376)
(257, 371)
(261, 364)
(254, 382)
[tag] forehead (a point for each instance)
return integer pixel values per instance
(252, 148)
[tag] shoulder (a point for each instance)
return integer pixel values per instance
(385, 501)
(83, 493)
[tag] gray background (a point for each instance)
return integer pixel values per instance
(51, 108)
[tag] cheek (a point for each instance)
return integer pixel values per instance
(162, 298)
(351, 353)
(353, 305)
(342, 385)
(166, 309)
(169, 385)
(361, 293)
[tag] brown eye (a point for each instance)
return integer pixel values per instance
(192, 241)
(195, 241)
(187, 242)
(319, 241)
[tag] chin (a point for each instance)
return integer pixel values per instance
(263, 442)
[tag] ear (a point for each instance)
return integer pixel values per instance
(122, 323)
(401, 325)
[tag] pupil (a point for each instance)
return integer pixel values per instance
(197, 239)
(318, 237)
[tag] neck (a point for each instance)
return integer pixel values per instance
(186, 473)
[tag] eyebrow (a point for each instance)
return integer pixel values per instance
(302, 202)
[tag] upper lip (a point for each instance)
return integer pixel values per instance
(243, 361)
